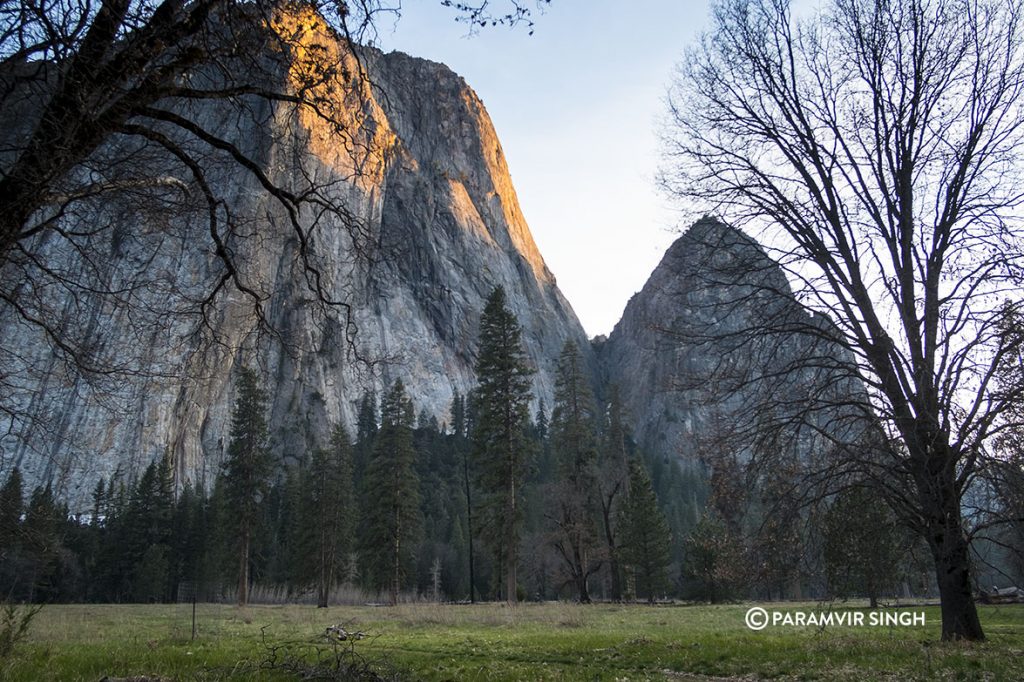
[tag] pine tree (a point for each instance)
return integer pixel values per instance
(862, 544)
(366, 432)
(612, 485)
(460, 423)
(188, 539)
(246, 471)
(327, 509)
(99, 498)
(110, 581)
(714, 563)
(646, 546)
(146, 533)
(574, 503)
(12, 501)
(41, 533)
(281, 546)
(391, 496)
(500, 438)
(458, 414)
(547, 465)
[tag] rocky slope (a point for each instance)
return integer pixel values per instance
(715, 348)
(442, 214)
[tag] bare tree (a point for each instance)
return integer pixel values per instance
(875, 145)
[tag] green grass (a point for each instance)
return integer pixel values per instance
(492, 642)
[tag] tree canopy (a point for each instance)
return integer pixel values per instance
(875, 147)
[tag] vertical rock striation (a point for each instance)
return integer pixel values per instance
(426, 178)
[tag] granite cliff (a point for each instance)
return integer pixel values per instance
(427, 180)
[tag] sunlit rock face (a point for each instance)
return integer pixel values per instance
(714, 341)
(426, 177)
(421, 171)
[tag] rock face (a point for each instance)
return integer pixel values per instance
(430, 196)
(443, 217)
(714, 342)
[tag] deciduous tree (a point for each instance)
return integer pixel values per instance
(875, 147)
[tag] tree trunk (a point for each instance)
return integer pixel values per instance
(940, 501)
(396, 568)
(952, 572)
(584, 589)
(609, 536)
(469, 526)
(321, 599)
(511, 581)
(243, 569)
(326, 569)
(582, 585)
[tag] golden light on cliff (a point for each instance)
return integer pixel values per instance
(345, 127)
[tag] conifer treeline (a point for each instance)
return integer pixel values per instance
(494, 503)
(491, 504)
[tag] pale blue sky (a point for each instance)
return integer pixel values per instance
(576, 107)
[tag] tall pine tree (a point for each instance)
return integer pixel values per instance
(501, 441)
(863, 545)
(575, 504)
(246, 471)
(12, 501)
(391, 496)
(460, 442)
(327, 508)
(41, 533)
(146, 533)
(646, 547)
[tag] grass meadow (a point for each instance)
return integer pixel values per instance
(553, 641)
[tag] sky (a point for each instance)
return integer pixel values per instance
(577, 108)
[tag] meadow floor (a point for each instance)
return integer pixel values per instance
(491, 642)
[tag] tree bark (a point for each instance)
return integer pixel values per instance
(469, 526)
(396, 567)
(243, 569)
(609, 536)
(950, 552)
(940, 502)
(582, 585)
(511, 581)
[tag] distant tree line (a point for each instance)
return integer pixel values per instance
(494, 503)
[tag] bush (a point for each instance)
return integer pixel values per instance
(14, 622)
